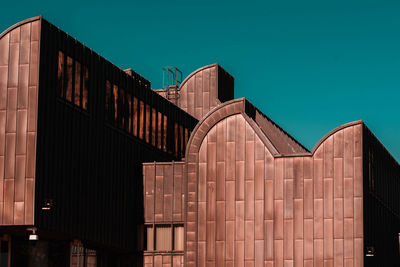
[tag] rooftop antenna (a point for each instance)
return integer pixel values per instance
(172, 79)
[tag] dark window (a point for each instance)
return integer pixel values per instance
(70, 64)
(77, 89)
(85, 88)
(153, 126)
(61, 70)
(128, 112)
(148, 123)
(159, 131)
(181, 140)
(176, 136)
(115, 103)
(109, 102)
(72, 82)
(165, 130)
(135, 116)
(141, 120)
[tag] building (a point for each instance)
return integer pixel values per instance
(107, 172)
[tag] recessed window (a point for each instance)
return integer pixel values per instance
(163, 237)
(72, 81)
(178, 237)
(149, 237)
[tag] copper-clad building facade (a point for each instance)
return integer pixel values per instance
(107, 172)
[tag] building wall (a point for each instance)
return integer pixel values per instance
(19, 64)
(381, 203)
(164, 198)
(247, 207)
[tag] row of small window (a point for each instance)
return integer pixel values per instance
(166, 237)
(139, 119)
(82, 257)
(73, 81)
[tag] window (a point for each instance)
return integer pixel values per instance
(178, 237)
(176, 138)
(82, 256)
(148, 123)
(72, 81)
(153, 126)
(166, 237)
(159, 131)
(165, 122)
(149, 237)
(141, 120)
(135, 116)
(128, 112)
(163, 237)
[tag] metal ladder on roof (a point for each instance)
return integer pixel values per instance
(172, 79)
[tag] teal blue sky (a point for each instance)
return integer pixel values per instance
(309, 65)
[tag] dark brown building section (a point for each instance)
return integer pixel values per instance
(19, 63)
(381, 203)
(92, 140)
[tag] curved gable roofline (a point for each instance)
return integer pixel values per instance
(16, 25)
(196, 71)
(341, 127)
(224, 110)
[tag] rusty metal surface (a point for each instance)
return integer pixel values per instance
(308, 210)
(18, 55)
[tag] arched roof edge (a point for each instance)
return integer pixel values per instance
(332, 132)
(195, 72)
(18, 24)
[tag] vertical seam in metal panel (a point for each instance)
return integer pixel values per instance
(27, 115)
(254, 195)
(244, 178)
(16, 124)
(154, 211)
(342, 170)
(172, 207)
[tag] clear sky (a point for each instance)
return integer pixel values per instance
(309, 65)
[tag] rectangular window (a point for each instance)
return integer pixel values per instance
(109, 102)
(141, 121)
(148, 123)
(4, 255)
(135, 116)
(115, 103)
(77, 90)
(149, 238)
(68, 93)
(159, 130)
(181, 140)
(121, 107)
(60, 74)
(165, 123)
(178, 237)
(163, 237)
(72, 81)
(82, 257)
(85, 85)
(153, 126)
(176, 138)
(128, 123)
